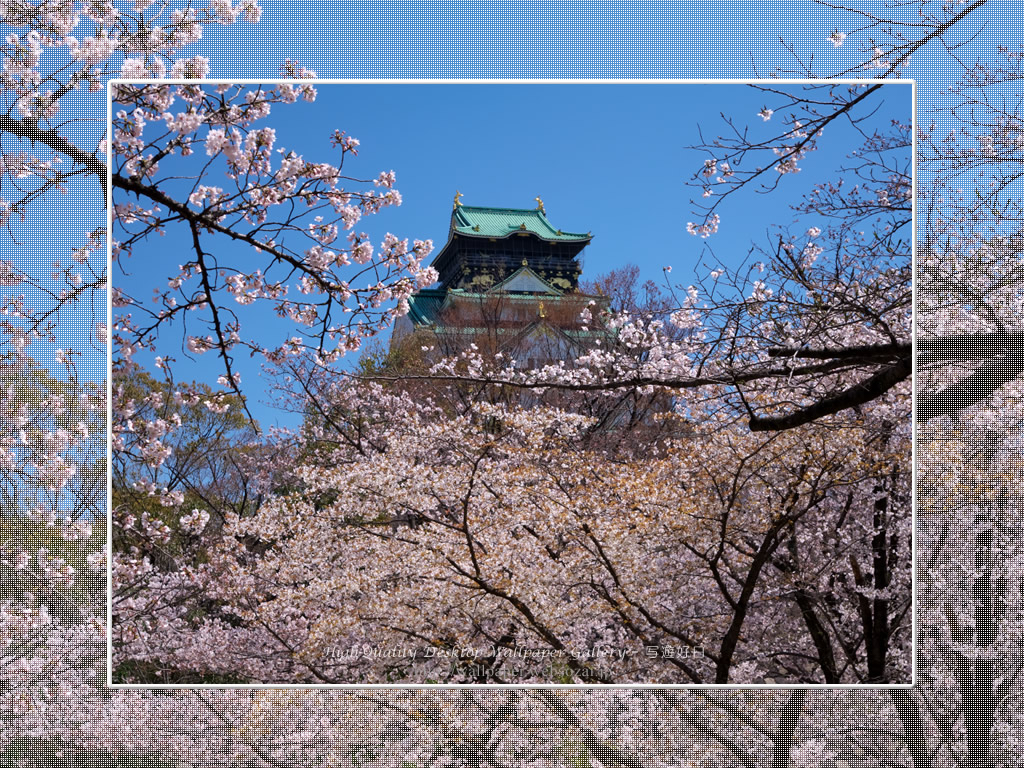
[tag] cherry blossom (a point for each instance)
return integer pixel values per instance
(965, 709)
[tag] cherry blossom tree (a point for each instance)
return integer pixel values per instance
(430, 539)
(290, 210)
(955, 717)
(57, 57)
(965, 710)
(55, 54)
(855, 308)
(53, 557)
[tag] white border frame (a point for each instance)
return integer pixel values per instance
(520, 81)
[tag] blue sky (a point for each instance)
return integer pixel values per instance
(612, 159)
(544, 38)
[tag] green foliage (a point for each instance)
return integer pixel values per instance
(40, 405)
(205, 464)
(403, 356)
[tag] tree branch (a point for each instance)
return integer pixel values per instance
(29, 129)
(859, 394)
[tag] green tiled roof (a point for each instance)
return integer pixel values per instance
(425, 304)
(474, 221)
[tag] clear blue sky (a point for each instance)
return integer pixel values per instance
(601, 38)
(608, 158)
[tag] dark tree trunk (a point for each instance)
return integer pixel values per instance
(789, 718)
(979, 702)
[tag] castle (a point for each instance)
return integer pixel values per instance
(508, 283)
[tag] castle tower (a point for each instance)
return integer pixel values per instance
(488, 245)
(508, 282)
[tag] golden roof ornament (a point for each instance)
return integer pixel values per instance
(458, 200)
(540, 308)
(540, 205)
